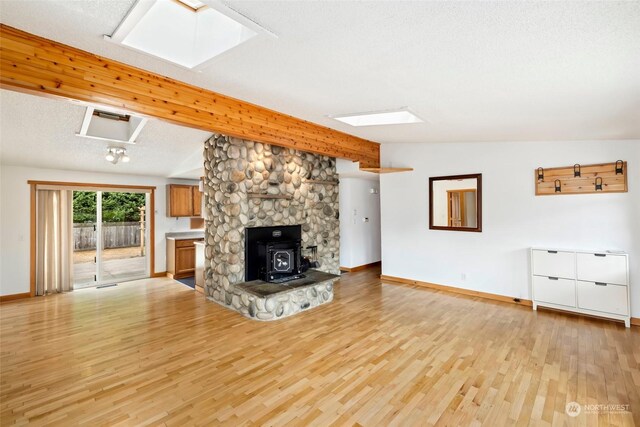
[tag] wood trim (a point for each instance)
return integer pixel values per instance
(456, 290)
(15, 297)
(44, 67)
(84, 184)
(478, 177)
(159, 274)
(386, 170)
(152, 232)
(269, 196)
(361, 267)
(32, 241)
(33, 231)
(495, 297)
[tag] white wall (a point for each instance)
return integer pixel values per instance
(513, 218)
(14, 217)
(359, 240)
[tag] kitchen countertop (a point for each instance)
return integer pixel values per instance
(183, 235)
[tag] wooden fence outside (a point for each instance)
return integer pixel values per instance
(115, 235)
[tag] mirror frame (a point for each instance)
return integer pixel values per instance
(478, 177)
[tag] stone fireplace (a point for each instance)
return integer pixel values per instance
(250, 184)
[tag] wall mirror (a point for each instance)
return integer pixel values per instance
(455, 202)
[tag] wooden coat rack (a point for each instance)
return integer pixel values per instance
(582, 179)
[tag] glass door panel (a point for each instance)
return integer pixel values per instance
(124, 237)
(84, 238)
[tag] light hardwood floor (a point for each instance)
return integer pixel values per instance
(155, 352)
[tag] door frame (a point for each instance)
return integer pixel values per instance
(100, 187)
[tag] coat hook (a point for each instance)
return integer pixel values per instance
(557, 185)
(576, 170)
(540, 175)
(619, 168)
(598, 184)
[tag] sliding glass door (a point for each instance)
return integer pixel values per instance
(110, 237)
(85, 238)
(124, 252)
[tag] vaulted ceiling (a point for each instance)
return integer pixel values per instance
(474, 71)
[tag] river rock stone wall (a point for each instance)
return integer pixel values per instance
(235, 171)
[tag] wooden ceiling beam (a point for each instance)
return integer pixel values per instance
(33, 64)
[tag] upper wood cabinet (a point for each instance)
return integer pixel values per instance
(183, 200)
(197, 201)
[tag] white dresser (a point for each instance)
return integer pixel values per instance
(595, 283)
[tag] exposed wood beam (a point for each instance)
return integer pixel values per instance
(33, 64)
(386, 170)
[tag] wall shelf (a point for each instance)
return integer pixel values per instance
(321, 182)
(386, 170)
(269, 196)
(582, 179)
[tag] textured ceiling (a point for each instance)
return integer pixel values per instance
(40, 132)
(474, 71)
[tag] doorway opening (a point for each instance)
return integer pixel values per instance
(461, 208)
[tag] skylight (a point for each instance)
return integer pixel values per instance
(108, 125)
(376, 118)
(186, 32)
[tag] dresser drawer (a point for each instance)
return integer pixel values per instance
(606, 268)
(553, 263)
(558, 291)
(608, 298)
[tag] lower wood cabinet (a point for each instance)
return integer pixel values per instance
(181, 257)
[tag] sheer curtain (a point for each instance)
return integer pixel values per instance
(54, 266)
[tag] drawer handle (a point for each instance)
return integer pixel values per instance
(553, 278)
(600, 284)
(602, 255)
(552, 252)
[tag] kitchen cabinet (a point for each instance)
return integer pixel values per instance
(183, 200)
(197, 201)
(181, 257)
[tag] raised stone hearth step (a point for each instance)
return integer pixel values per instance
(261, 300)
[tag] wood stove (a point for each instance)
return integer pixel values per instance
(280, 260)
(273, 254)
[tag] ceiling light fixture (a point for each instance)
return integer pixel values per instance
(115, 154)
(377, 118)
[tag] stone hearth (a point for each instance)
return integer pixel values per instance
(249, 184)
(270, 301)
